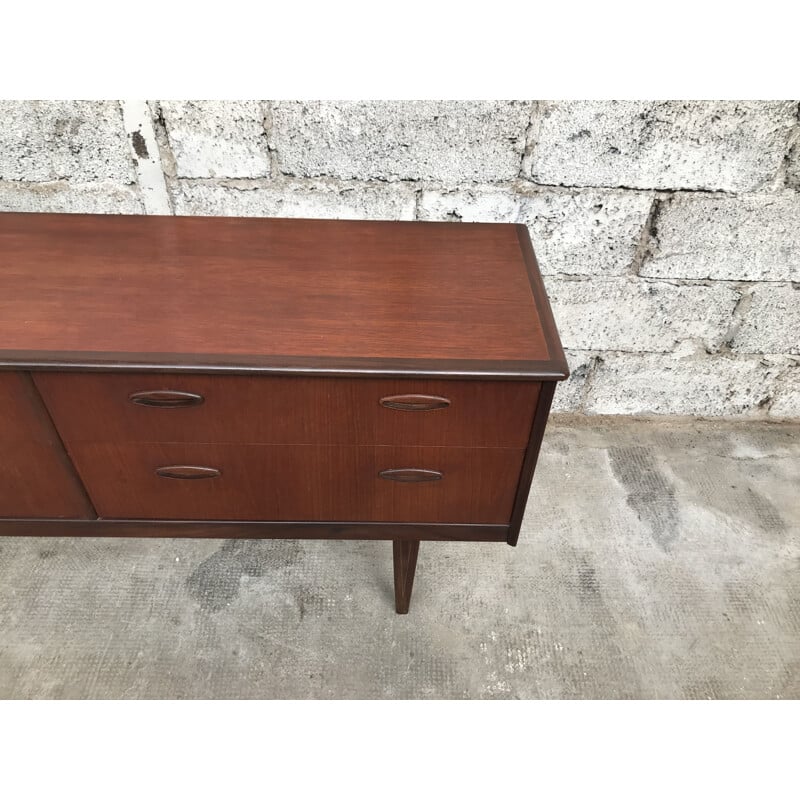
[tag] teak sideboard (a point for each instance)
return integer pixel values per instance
(281, 378)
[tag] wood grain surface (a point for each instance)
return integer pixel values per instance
(269, 291)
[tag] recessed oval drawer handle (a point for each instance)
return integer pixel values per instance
(410, 475)
(165, 398)
(187, 473)
(415, 402)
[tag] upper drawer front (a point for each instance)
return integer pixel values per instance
(147, 407)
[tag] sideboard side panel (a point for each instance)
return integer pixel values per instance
(531, 457)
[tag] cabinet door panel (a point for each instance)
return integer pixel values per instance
(36, 476)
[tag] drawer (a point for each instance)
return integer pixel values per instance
(300, 482)
(36, 478)
(147, 407)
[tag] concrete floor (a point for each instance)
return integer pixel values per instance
(657, 560)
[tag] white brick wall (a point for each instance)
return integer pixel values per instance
(668, 232)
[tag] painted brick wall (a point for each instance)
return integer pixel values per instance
(668, 232)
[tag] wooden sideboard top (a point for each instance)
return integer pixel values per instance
(273, 295)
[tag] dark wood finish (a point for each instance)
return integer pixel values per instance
(36, 477)
(288, 410)
(300, 482)
(405, 565)
(192, 529)
(266, 288)
(531, 457)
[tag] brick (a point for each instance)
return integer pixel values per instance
(629, 383)
(726, 145)
(288, 198)
(786, 402)
(217, 139)
(569, 394)
(478, 204)
(70, 198)
(619, 314)
(748, 238)
(771, 321)
(574, 233)
(54, 140)
(587, 233)
(793, 164)
(395, 140)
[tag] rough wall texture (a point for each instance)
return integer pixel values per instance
(668, 232)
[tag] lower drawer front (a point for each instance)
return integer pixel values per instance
(306, 483)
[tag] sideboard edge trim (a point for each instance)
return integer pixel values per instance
(327, 366)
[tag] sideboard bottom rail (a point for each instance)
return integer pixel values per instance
(194, 529)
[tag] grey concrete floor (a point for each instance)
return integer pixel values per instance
(657, 560)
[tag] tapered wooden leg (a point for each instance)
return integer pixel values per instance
(405, 564)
